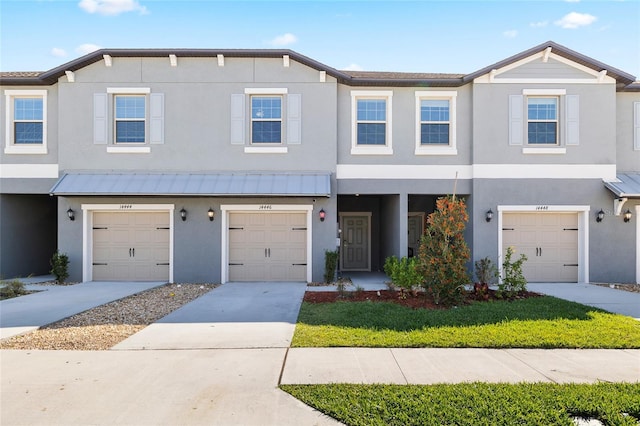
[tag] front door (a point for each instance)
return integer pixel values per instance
(355, 248)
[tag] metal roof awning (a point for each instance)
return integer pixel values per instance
(260, 184)
(627, 185)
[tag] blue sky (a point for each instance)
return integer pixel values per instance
(413, 36)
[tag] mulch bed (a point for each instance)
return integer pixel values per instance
(419, 300)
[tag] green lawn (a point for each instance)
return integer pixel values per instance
(541, 322)
(474, 403)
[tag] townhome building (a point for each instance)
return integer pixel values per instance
(210, 165)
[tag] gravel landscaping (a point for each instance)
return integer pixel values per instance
(103, 327)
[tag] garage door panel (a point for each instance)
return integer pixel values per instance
(550, 242)
(131, 245)
(264, 246)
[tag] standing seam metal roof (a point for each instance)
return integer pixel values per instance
(195, 184)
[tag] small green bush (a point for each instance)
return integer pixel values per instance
(60, 267)
(12, 289)
(513, 280)
(330, 265)
(403, 272)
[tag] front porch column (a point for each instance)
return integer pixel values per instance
(403, 225)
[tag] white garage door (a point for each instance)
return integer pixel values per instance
(267, 246)
(550, 242)
(130, 246)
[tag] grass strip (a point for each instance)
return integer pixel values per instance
(474, 403)
(544, 322)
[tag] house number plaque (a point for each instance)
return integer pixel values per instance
(542, 208)
(125, 206)
(265, 207)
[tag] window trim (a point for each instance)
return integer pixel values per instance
(387, 149)
(434, 149)
(120, 147)
(10, 146)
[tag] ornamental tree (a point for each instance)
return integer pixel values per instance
(443, 252)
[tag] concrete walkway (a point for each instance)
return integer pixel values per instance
(52, 303)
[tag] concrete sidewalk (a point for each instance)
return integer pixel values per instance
(432, 365)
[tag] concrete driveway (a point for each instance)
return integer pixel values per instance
(232, 316)
(52, 303)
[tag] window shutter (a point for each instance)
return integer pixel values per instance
(100, 118)
(636, 126)
(237, 119)
(156, 118)
(572, 122)
(294, 119)
(516, 119)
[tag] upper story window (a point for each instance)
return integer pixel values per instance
(542, 120)
(130, 118)
(436, 123)
(266, 119)
(371, 124)
(26, 118)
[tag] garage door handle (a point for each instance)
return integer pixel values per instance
(162, 264)
(129, 252)
(269, 252)
(99, 264)
(299, 264)
(570, 264)
(236, 264)
(134, 252)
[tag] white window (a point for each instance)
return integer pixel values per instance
(26, 122)
(128, 120)
(130, 111)
(544, 121)
(436, 123)
(371, 122)
(266, 119)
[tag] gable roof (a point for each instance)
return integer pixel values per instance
(624, 80)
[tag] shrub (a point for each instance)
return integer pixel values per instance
(513, 281)
(444, 252)
(486, 271)
(60, 267)
(330, 265)
(11, 289)
(403, 272)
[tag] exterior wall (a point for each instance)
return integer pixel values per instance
(403, 114)
(53, 120)
(597, 133)
(628, 158)
(612, 252)
(197, 99)
(28, 229)
(197, 241)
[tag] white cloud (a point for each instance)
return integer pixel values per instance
(510, 33)
(539, 24)
(284, 40)
(58, 53)
(112, 7)
(353, 67)
(575, 20)
(86, 48)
